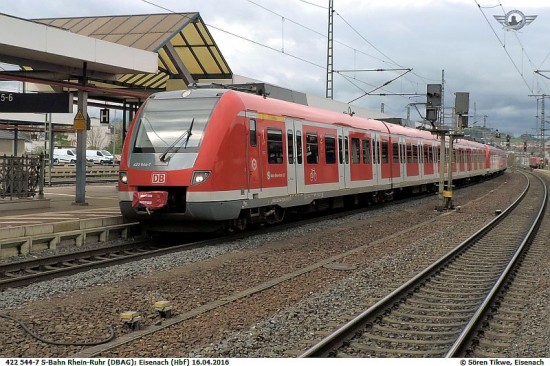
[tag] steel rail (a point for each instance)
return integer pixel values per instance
(344, 334)
(459, 347)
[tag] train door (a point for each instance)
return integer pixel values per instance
(396, 166)
(253, 156)
(421, 159)
(295, 170)
(343, 157)
(375, 158)
(385, 159)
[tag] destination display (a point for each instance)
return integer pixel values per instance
(36, 102)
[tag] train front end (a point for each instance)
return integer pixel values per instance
(166, 170)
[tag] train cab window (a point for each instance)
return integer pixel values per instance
(274, 146)
(312, 148)
(395, 151)
(366, 152)
(252, 127)
(341, 149)
(290, 144)
(385, 152)
(330, 149)
(355, 150)
(299, 147)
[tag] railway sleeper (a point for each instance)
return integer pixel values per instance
(393, 351)
(414, 308)
(409, 315)
(423, 325)
(493, 343)
(386, 337)
(415, 331)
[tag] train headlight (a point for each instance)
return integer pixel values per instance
(123, 177)
(199, 177)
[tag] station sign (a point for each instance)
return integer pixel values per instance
(36, 102)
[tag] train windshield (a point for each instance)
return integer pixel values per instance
(163, 121)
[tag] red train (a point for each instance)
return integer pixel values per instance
(536, 162)
(205, 159)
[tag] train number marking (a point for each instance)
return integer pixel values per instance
(158, 178)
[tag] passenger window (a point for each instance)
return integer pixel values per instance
(299, 147)
(409, 153)
(395, 150)
(330, 149)
(252, 127)
(312, 148)
(274, 146)
(414, 154)
(385, 152)
(290, 144)
(355, 151)
(366, 152)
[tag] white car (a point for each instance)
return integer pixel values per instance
(99, 156)
(64, 156)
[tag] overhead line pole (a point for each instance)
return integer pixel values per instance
(542, 121)
(330, 51)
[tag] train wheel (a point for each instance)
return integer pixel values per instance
(237, 225)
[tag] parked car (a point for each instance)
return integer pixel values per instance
(99, 156)
(64, 156)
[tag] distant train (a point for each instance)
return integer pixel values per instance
(536, 162)
(205, 159)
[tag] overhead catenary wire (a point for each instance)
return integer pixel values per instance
(285, 52)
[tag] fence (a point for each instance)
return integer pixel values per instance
(67, 174)
(21, 176)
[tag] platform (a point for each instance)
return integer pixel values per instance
(28, 226)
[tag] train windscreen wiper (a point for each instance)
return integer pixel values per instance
(187, 133)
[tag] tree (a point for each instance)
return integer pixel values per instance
(96, 138)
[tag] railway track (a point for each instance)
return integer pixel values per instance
(438, 312)
(24, 273)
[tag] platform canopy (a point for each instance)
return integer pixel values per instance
(186, 50)
(25, 42)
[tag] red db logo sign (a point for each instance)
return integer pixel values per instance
(158, 178)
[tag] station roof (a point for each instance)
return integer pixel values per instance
(25, 41)
(185, 47)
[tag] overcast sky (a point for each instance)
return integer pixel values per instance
(284, 42)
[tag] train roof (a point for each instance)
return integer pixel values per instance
(253, 102)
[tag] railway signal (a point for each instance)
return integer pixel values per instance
(433, 101)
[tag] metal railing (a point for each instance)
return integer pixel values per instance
(21, 176)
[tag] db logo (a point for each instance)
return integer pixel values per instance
(158, 178)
